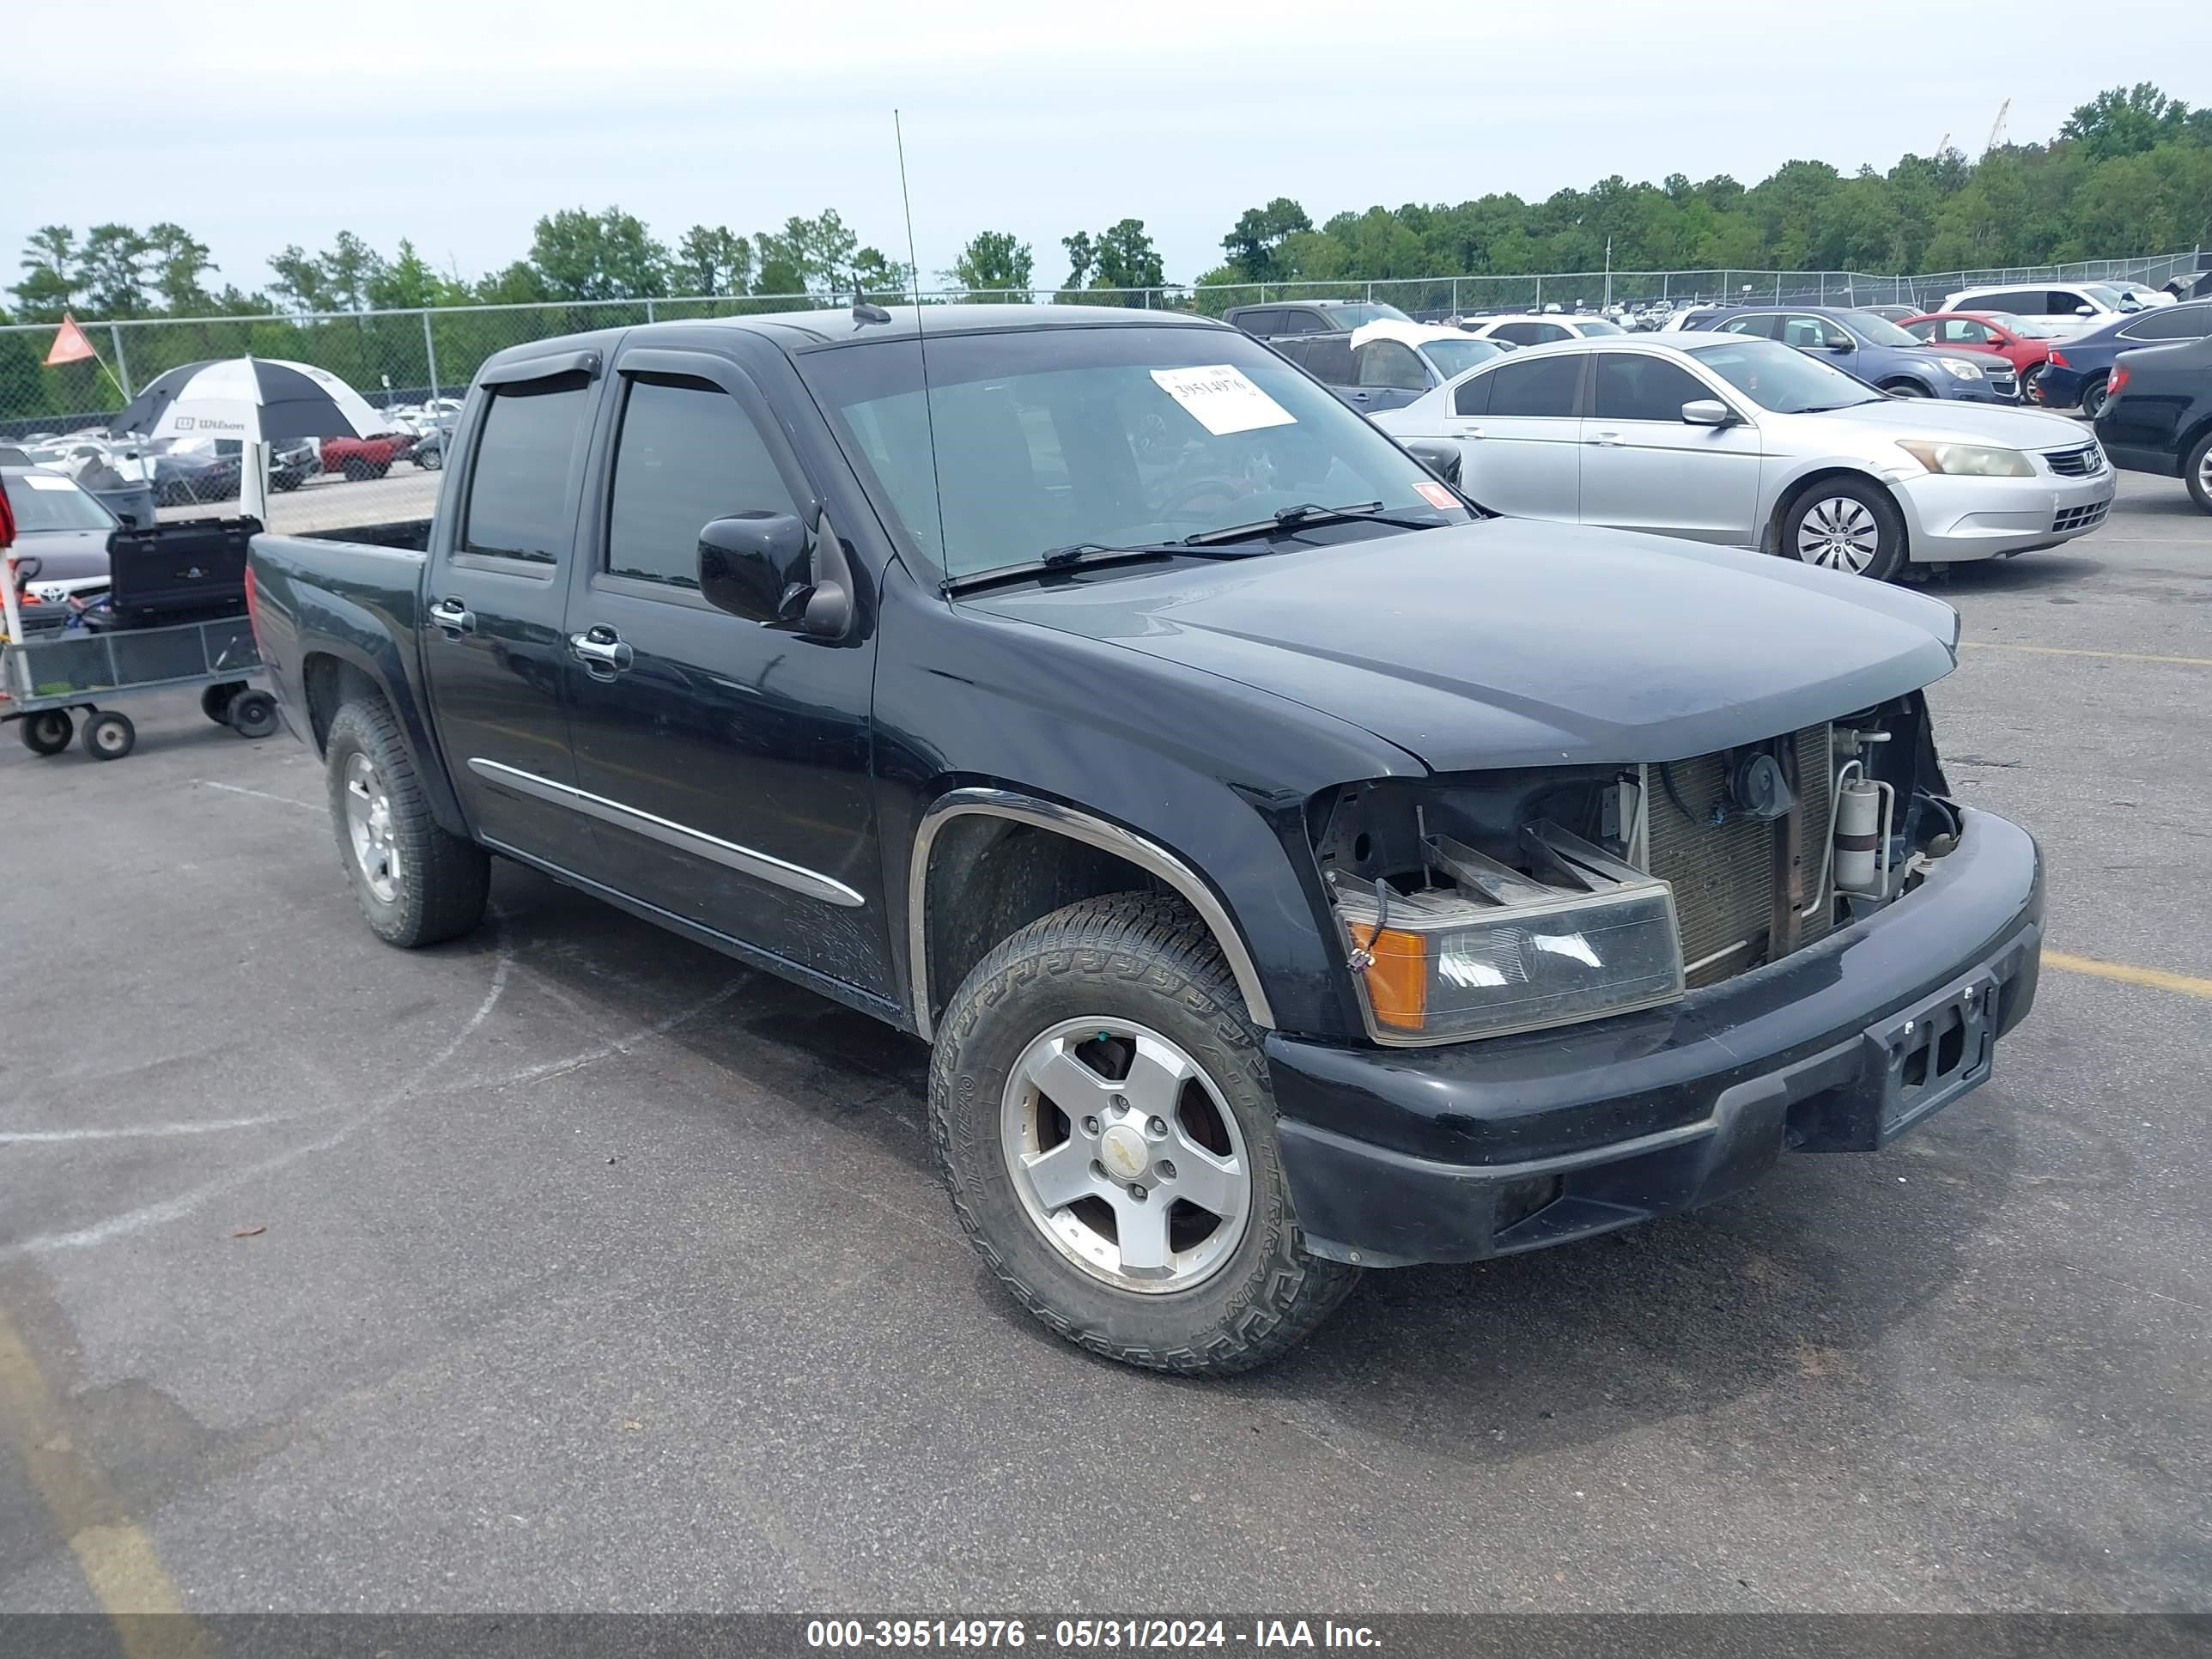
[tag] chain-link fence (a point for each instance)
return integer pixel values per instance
(404, 357)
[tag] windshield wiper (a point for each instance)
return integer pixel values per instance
(1077, 556)
(1309, 512)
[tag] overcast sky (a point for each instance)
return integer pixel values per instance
(459, 125)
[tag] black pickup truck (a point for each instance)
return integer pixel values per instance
(1296, 867)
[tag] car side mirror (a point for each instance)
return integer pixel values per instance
(763, 567)
(1708, 412)
(1441, 458)
(2085, 310)
(1835, 344)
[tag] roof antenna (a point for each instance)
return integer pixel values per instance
(863, 313)
(921, 345)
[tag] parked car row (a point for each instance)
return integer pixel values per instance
(1737, 438)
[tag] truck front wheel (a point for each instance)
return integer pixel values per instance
(1101, 1117)
(417, 882)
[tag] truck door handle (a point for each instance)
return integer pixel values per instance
(601, 650)
(1607, 440)
(453, 618)
(1469, 433)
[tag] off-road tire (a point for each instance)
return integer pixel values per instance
(447, 879)
(1138, 956)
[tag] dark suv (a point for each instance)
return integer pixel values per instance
(1284, 316)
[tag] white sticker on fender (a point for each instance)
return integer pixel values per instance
(1220, 400)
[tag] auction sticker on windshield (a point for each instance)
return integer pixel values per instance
(38, 483)
(1220, 400)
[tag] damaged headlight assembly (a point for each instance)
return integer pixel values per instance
(1489, 951)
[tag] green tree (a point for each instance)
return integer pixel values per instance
(180, 261)
(1122, 257)
(609, 255)
(2125, 122)
(807, 256)
(300, 285)
(50, 284)
(993, 261)
(711, 261)
(112, 270)
(407, 283)
(1258, 233)
(876, 275)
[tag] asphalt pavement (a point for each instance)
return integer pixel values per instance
(571, 1266)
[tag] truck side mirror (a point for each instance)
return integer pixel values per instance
(755, 565)
(766, 568)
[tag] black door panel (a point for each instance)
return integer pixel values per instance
(493, 649)
(726, 763)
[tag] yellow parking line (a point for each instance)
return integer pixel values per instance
(2077, 651)
(117, 1557)
(2127, 974)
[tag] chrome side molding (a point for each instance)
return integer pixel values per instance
(796, 878)
(1076, 826)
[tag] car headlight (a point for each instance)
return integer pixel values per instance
(1960, 368)
(1498, 951)
(1968, 460)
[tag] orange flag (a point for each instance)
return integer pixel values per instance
(69, 344)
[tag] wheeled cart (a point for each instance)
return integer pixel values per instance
(47, 680)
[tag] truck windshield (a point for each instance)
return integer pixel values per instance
(1106, 437)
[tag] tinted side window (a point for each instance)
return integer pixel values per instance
(687, 455)
(1639, 388)
(1257, 321)
(1327, 358)
(1761, 328)
(2172, 323)
(1473, 397)
(518, 502)
(1545, 387)
(1392, 364)
(2022, 303)
(1303, 322)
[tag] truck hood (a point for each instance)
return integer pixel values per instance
(1510, 642)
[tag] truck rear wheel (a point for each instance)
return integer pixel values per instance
(417, 882)
(1103, 1119)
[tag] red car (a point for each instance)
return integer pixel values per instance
(364, 457)
(2018, 340)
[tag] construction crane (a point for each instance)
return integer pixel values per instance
(1996, 127)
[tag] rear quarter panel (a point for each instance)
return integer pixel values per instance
(360, 606)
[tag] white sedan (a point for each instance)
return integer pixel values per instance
(1750, 443)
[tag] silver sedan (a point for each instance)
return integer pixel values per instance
(1749, 443)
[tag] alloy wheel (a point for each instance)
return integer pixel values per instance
(1840, 533)
(369, 829)
(1125, 1155)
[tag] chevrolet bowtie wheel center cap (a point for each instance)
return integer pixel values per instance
(1122, 1150)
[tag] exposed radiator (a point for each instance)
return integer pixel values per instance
(1724, 875)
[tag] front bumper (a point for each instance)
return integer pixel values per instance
(1948, 519)
(1400, 1155)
